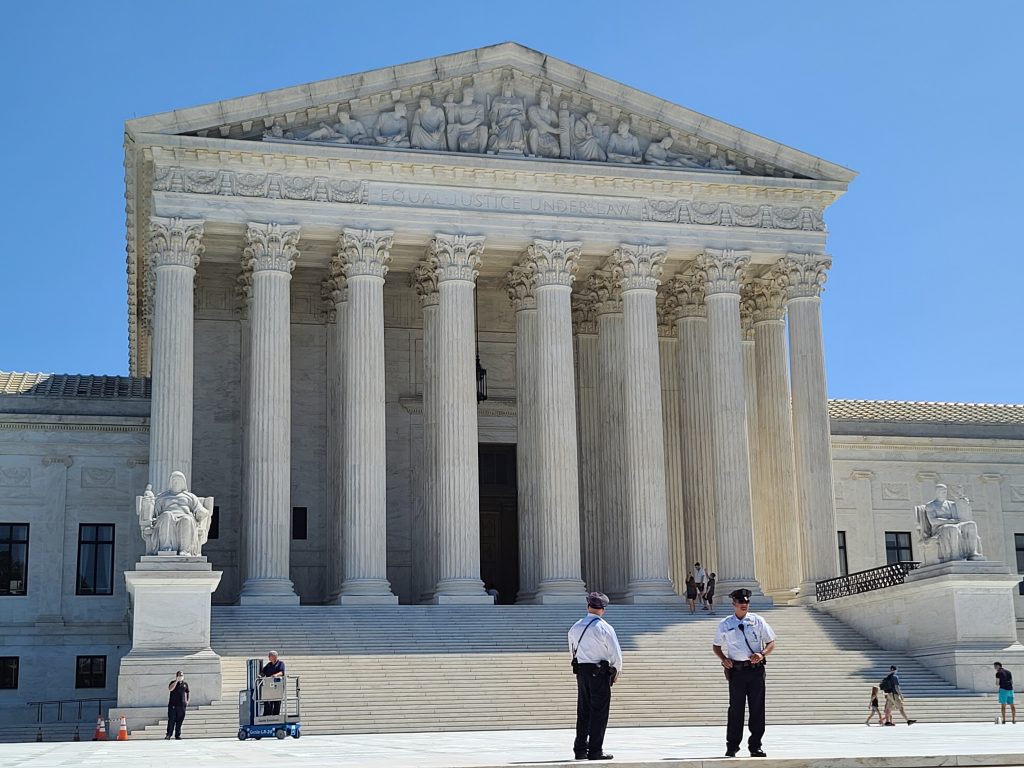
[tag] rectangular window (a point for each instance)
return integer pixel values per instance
(95, 559)
(91, 672)
(299, 523)
(897, 547)
(13, 558)
(214, 532)
(1018, 540)
(844, 568)
(8, 672)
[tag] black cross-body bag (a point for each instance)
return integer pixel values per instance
(575, 664)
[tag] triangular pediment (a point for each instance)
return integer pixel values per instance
(524, 104)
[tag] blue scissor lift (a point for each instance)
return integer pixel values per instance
(269, 706)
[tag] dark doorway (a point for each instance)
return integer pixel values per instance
(499, 521)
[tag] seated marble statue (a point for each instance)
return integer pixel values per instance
(586, 142)
(466, 129)
(624, 147)
(659, 154)
(346, 131)
(174, 521)
(507, 116)
(428, 124)
(277, 131)
(949, 526)
(392, 128)
(543, 138)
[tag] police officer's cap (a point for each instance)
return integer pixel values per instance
(740, 595)
(597, 600)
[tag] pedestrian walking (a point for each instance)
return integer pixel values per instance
(691, 594)
(890, 686)
(700, 576)
(709, 593)
(873, 707)
(597, 664)
(742, 643)
(177, 703)
(1005, 682)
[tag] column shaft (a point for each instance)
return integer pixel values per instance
(431, 469)
(526, 469)
(670, 406)
(611, 391)
(757, 512)
(589, 454)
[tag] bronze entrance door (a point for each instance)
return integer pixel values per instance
(499, 521)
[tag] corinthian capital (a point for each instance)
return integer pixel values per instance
(175, 242)
(424, 280)
(638, 267)
(519, 284)
(768, 296)
(554, 261)
(456, 257)
(746, 313)
(365, 252)
(687, 295)
(803, 275)
(584, 309)
(667, 308)
(722, 270)
(607, 292)
(271, 247)
(334, 288)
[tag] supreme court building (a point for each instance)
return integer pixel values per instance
(322, 280)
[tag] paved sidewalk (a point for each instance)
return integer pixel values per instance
(816, 746)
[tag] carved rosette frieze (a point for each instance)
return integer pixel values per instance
(519, 285)
(456, 257)
(769, 297)
(175, 242)
(722, 270)
(271, 247)
(638, 267)
(803, 275)
(424, 280)
(584, 309)
(607, 292)
(687, 291)
(365, 252)
(554, 261)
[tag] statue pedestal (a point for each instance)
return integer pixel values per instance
(956, 618)
(170, 598)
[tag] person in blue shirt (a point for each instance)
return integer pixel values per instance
(273, 668)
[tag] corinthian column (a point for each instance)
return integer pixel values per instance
(722, 272)
(804, 276)
(270, 255)
(364, 257)
(456, 259)
(668, 355)
(335, 292)
(638, 267)
(175, 246)
(748, 354)
(425, 281)
(589, 439)
(611, 395)
(558, 504)
(697, 449)
(775, 478)
(519, 285)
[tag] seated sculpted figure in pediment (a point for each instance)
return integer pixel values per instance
(623, 146)
(174, 521)
(428, 127)
(346, 131)
(507, 116)
(947, 527)
(467, 127)
(392, 128)
(659, 153)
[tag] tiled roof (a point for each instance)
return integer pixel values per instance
(68, 385)
(924, 413)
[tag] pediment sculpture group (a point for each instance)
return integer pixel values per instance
(505, 125)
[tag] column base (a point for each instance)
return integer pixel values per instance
(442, 599)
(653, 591)
(459, 588)
(268, 592)
(560, 591)
(525, 598)
(387, 599)
(649, 599)
(757, 598)
(366, 592)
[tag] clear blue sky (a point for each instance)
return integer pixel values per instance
(923, 99)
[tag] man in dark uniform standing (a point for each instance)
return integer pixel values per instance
(742, 642)
(273, 668)
(596, 662)
(177, 703)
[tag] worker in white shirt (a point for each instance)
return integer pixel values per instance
(742, 642)
(597, 663)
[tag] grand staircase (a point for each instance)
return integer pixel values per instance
(420, 668)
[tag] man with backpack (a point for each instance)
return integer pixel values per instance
(890, 686)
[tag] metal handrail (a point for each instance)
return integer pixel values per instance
(60, 703)
(865, 581)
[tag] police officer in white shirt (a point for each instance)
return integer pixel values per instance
(597, 663)
(742, 642)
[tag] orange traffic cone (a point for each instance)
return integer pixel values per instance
(39, 735)
(122, 730)
(77, 736)
(101, 730)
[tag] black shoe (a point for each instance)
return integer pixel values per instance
(758, 753)
(580, 755)
(602, 756)
(889, 724)
(167, 736)
(730, 753)
(177, 738)
(911, 722)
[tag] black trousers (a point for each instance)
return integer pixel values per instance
(175, 716)
(593, 700)
(746, 687)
